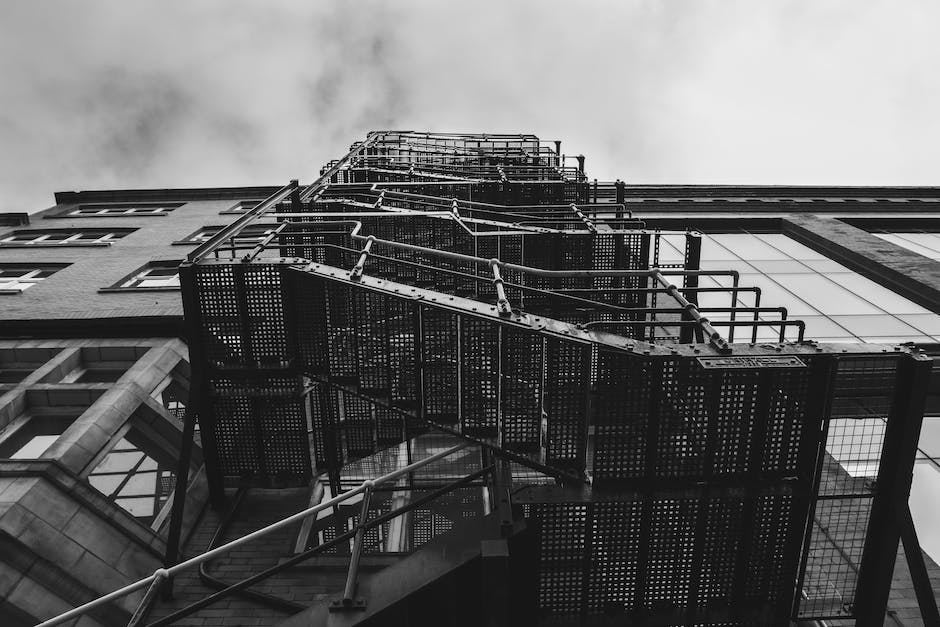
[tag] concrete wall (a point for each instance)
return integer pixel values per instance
(63, 542)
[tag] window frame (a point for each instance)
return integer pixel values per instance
(241, 207)
(160, 448)
(35, 423)
(74, 238)
(30, 278)
(157, 209)
(212, 230)
(140, 274)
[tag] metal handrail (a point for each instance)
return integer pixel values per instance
(162, 574)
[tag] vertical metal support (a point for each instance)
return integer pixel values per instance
(495, 552)
(171, 558)
(557, 153)
(421, 410)
(621, 197)
(919, 577)
(580, 164)
(693, 262)
(813, 454)
(352, 576)
(892, 489)
(495, 582)
(502, 501)
(296, 206)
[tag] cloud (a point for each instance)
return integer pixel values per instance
(155, 94)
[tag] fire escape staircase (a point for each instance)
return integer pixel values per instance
(477, 286)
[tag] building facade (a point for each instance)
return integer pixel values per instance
(96, 379)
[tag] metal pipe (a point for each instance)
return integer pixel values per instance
(356, 273)
(352, 575)
(502, 303)
(714, 337)
(155, 586)
(264, 243)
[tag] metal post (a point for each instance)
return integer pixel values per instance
(295, 203)
(919, 576)
(621, 197)
(892, 489)
(352, 575)
(692, 262)
(179, 498)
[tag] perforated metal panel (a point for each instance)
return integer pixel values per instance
(670, 560)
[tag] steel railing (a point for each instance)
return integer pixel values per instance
(160, 575)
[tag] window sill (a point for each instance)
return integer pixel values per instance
(42, 245)
(115, 215)
(10, 291)
(126, 290)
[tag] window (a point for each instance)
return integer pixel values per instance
(837, 304)
(29, 437)
(64, 237)
(137, 475)
(250, 234)
(117, 210)
(14, 278)
(157, 275)
(241, 207)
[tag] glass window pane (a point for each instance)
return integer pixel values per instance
(36, 446)
(930, 241)
(789, 246)
(140, 483)
(885, 298)
(822, 326)
(746, 246)
(825, 266)
(781, 266)
(930, 437)
(138, 507)
(106, 484)
(928, 324)
(118, 462)
(672, 249)
(825, 295)
(925, 507)
(712, 251)
(883, 325)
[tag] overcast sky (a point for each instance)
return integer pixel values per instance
(176, 94)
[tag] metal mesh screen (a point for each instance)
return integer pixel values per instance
(863, 393)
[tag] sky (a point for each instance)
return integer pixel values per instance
(134, 94)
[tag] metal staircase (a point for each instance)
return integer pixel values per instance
(478, 285)
(472, 284)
